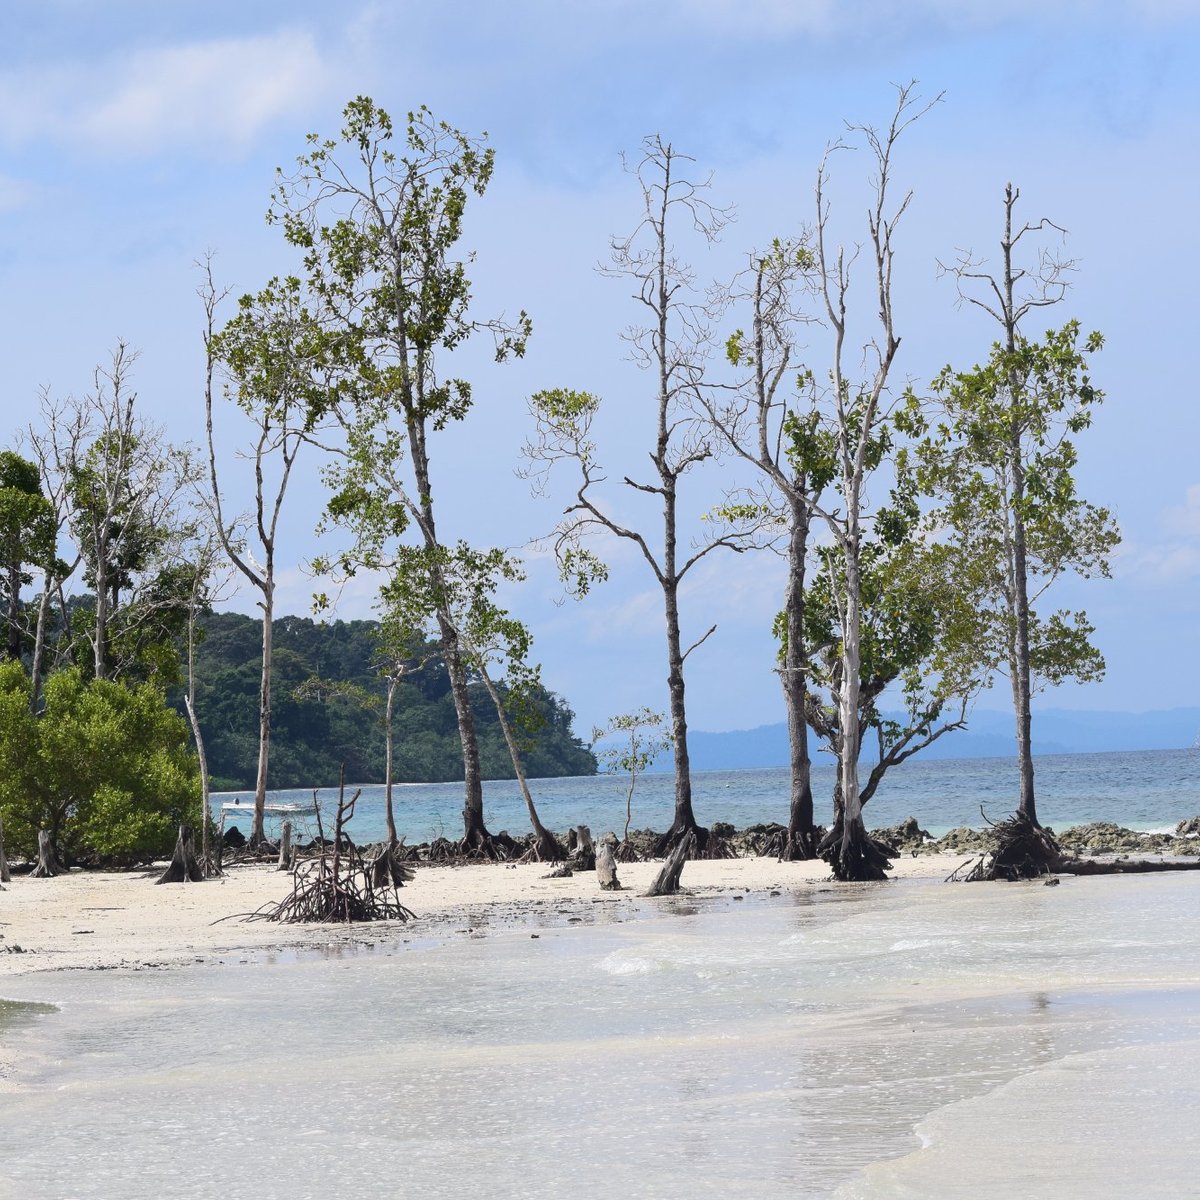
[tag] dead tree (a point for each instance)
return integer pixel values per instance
(581, 851)
(667, 881)
(47, 863)
(183, 867)
(285, 847)
(606, 868)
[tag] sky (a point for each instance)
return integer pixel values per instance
(136, 136)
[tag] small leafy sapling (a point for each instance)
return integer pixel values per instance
(639, 737)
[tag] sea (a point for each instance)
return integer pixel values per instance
(1150, 790)
(905, 1039)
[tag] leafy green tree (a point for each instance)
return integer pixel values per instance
(1002, 456)
(860, 414)
(105, 769)
(639, 737)
(378, 219)
(127, 485)
(27, 538)
(920, 642)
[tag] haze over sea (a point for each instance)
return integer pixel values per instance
(1144, 789)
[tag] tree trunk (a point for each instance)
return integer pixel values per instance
(285, 848)
(667, 881)
(5, 876)
(852, 854)
(685, 819)
(189, 705)
(606, 868)
(801, 833)
(546, 845)
(39, 647)
(849, 853)
(47, 863)
(581, 849)
(183, 867)
(264, 715)
(389, 712)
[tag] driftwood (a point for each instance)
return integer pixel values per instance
(47, 863)
(285, 847)
(5, 877)
(183, 867)
(339, 885)
(667, 881)
(606, 868)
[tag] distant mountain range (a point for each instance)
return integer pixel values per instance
(990, 735)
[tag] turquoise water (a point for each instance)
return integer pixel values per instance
(1147, 789)
(907, 1039)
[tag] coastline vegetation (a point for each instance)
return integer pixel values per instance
(922, 523)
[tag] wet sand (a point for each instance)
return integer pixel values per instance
(106, 920)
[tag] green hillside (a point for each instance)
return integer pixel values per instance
(312, 735)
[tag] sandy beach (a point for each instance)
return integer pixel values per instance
(105, 920)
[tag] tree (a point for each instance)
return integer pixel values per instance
(27, 538)
(271, 358)
(919, 642)
(642, 737)
(126, 484)
(860, 417)
(379, 225)
(787, 443)
(672, 347)
(105, 769)
(1001, 457)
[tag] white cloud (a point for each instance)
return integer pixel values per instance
(217, 93)
(1185, 519)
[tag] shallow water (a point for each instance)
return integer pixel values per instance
(1145, 789)
(778, 1046)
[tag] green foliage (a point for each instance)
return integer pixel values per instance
(27, 534)
(104, 768)
(636, 739)
(1003, 453)
(316, 726)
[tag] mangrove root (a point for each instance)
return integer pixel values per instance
(183, 867)
(667, 881)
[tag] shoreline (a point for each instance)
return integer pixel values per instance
(99, 920)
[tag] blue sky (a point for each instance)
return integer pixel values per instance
(134, 136)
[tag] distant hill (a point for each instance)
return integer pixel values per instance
(314, 733)
(990, 735)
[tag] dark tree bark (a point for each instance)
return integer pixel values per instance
(666, 883)
(47, 863)
(5, 876)
(183, 867)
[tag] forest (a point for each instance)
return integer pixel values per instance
(328, 708)
(922, 522)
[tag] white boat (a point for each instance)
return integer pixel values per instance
(236, 808)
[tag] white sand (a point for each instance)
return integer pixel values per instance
(101, 920)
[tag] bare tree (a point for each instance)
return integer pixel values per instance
(859, 412)
(780, 433)
(672, 347)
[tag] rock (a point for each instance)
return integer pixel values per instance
(964, 841)
(1105, 837)
(908, 835)
(234, 838)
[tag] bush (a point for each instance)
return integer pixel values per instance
(105, 768)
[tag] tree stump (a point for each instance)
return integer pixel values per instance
(183, 867)
(5, 877)
(581, 849)
(606, 868)
(667, 881)
(285, 848)
(47, 863)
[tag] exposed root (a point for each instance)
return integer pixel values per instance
(857, 858)
(1021, 849)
